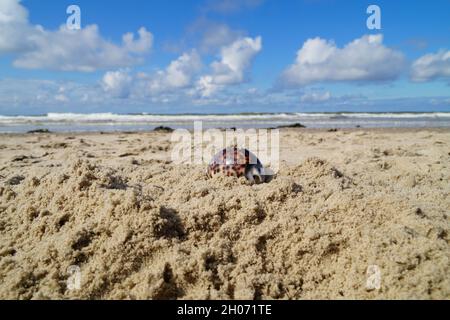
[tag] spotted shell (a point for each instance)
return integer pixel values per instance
(234, 162)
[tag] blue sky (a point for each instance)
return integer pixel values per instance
(224, 56)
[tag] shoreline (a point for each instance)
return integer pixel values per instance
(144, 122)
(306, 130)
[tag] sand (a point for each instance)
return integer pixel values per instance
(345, 206)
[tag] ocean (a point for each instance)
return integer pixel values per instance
(110, 122)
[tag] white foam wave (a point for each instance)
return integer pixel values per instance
(104, 118)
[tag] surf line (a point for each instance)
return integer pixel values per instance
(194, 311)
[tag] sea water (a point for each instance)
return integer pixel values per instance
(110, 122)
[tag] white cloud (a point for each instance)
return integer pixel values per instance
(61, 98)
(205, 86)
(12, 12)
(65, 50)
(36, 96)
(235, 61)
(179, 74)
(315, 97)
(215, 35)
(431, 67)
(141, 45)
(364, 59)
(182, 81)
(207, 36)
(20, 96)
(13, 22)
(117, 83)
(440, 101)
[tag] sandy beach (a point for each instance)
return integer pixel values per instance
(139, 227)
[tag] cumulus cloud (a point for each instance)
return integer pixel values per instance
(206, 35)
(21, 96)
(179, 73)
(61, 98)
(65, 50)
(235, 61)
(13, 21)
(117, 83)
(39, 96)
(364, 59)
(213, 35)
(12, 12)
(431, 67)
(315, 97)
(182, 80)
(218, 35)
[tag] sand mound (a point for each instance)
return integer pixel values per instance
(163, 232)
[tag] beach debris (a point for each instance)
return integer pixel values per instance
(15, 181)
(292, 126)
(163, 129)
(235, 162)
(56, 145)
(20, 158)
(39, 131)
(420, 213)
(128, 154)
